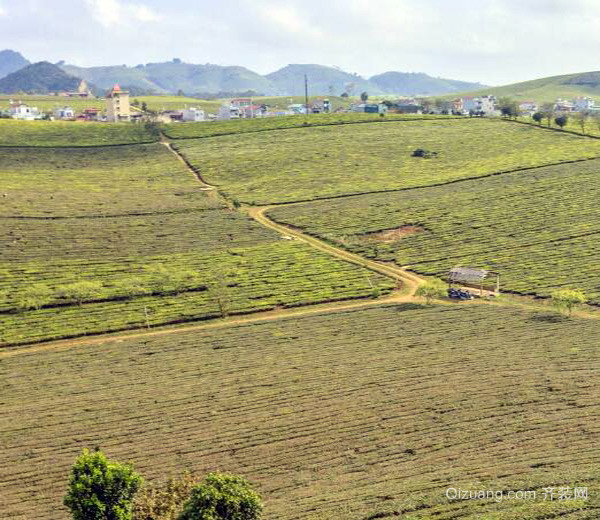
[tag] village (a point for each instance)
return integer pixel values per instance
(119, 107)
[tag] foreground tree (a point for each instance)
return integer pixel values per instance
(222, 497)
(101, 490)
(565, 300)
(431, 290)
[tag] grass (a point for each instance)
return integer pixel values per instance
(244, 126)
(538, 228)
(117, 216)
(70, 134)
(330, 161)
(353, 415)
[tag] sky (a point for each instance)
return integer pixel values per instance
(494, 42)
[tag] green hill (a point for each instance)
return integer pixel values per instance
(548, 89)
(419, 83)
(39, 78)
(321, 80)
(170, 77)
(11, 61)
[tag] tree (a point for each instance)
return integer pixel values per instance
(101, 490)
(581, 118)
(431, 290)
(538, 117)
(565, 300)
(344, 94)
(34, 297)
(82, 291)
(180, 93)
(364, 96)
(144, 106)
(548, 111)
(561, 120)
(508, 107)
(222, 497)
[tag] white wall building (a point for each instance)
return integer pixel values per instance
(582, 104)
(64, 113)
(193, 114)
(24, 112)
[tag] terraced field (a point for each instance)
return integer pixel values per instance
(350, 415)
(539, 228)
(330, 161)
(63, 133)
(243, 126)
(136, 223)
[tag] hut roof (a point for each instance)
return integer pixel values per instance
(467, 274)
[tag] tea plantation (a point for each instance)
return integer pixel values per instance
(63, 133)
(539, 228)
(345, 415)
(116, 238)
(330, 161)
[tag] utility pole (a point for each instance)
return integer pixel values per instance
(306, 92)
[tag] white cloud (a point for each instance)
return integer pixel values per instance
(2, 11)
(114, 12)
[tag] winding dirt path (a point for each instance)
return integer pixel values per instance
(410, 282)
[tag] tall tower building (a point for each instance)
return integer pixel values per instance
(117, 105)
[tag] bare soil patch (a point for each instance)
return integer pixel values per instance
(392, 235)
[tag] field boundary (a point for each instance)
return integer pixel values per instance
(117, 215)
(314, 125)
(71, 147)
(561, 130)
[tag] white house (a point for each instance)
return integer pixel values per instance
(24, 112)
(485, 104)
(64, 113)
(582, 104)
(193, 114)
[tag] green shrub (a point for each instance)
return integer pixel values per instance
(431, 290)
(222, 497)
(82, 291)
(34, 297)
(164, 502)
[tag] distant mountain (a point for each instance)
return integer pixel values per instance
(418, 83)
(39, 78)
(289, 81)
(550, 88)
(170, 77)
(11, 61)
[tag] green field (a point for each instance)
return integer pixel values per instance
(539, 228)
(336, 416)
(329, 161)
(244, 126)
(136, 222)
(64, 133)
